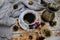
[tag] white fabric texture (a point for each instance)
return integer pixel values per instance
(7, 18)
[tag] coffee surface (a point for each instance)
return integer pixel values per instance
(29, 17)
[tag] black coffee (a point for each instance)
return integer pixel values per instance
(29, 17)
